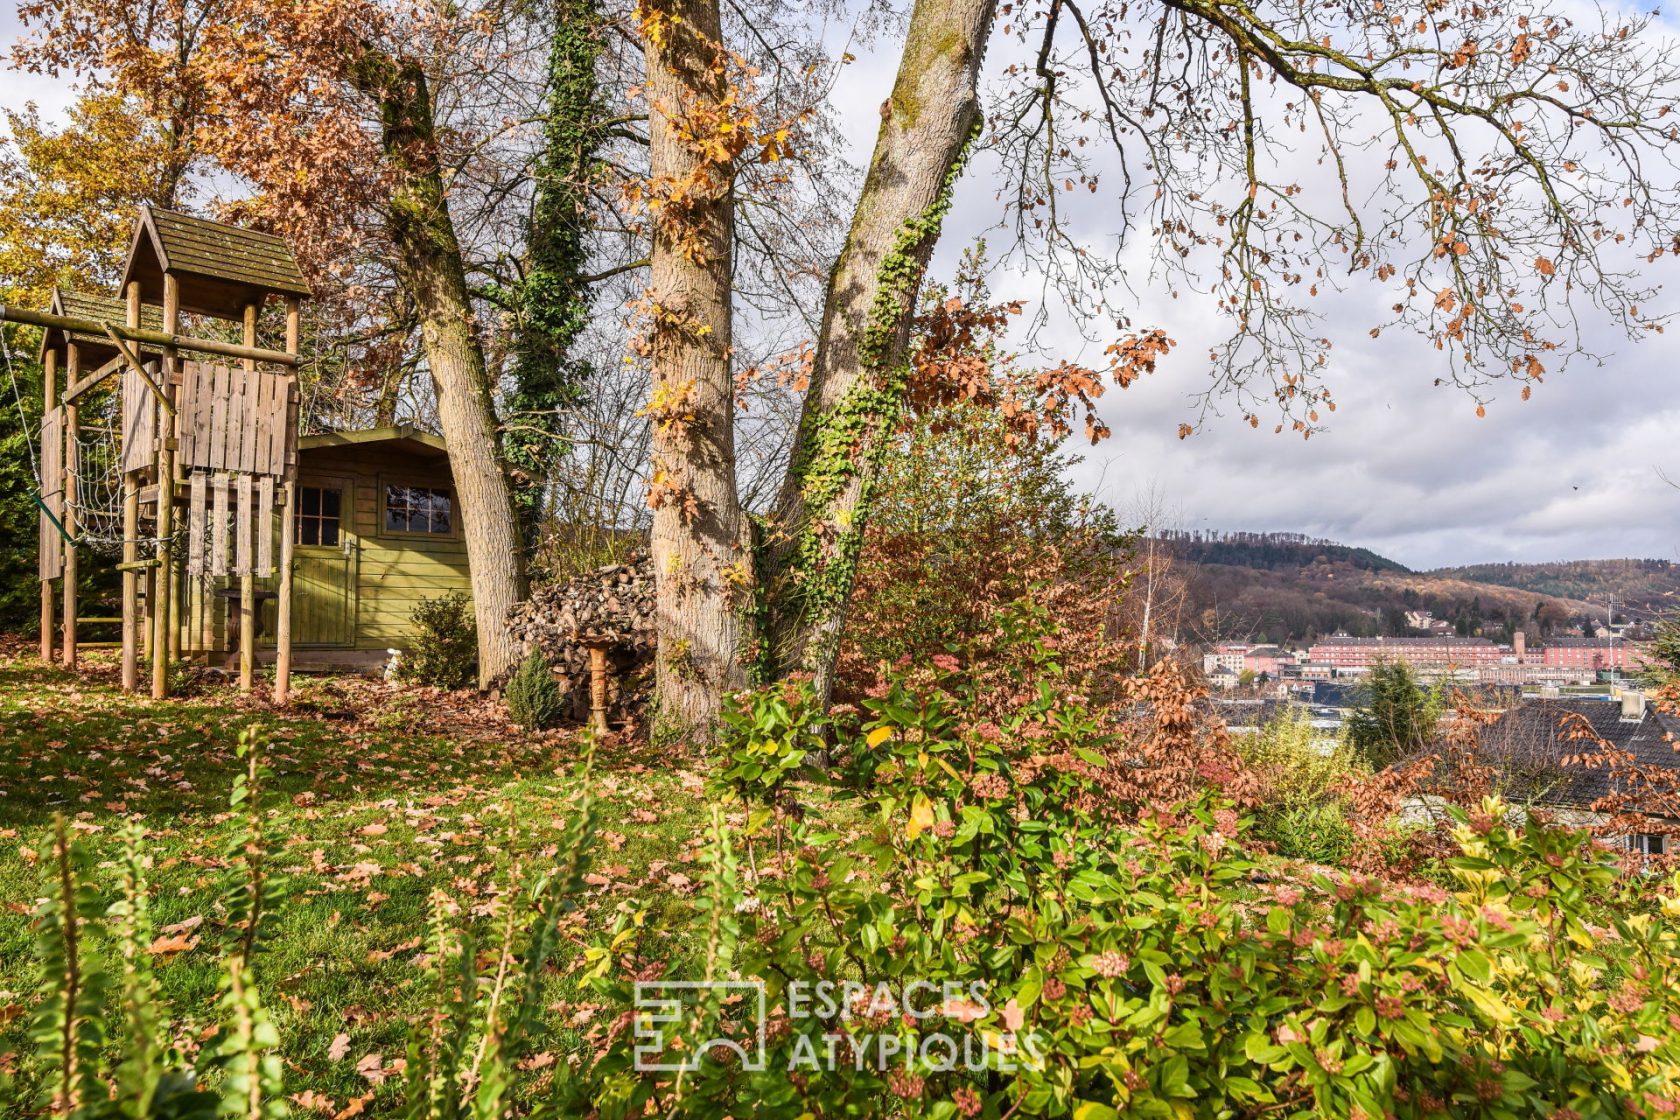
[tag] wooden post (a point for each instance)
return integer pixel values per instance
(288, 530)
(163, 612)
(49, 401)
(47, 620)
(598, 689)
(72, 492)
(248, 579)
(131, 584)
(131, 544)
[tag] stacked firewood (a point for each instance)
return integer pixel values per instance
(611, 607)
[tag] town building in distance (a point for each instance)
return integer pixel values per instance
(1565, 661)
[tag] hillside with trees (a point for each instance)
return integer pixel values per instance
(1286, 587)
(1642, 587)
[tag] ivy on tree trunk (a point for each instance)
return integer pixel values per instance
(552, 300)
(700, 543)
(859, 376)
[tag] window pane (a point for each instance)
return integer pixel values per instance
(309, 531)
(329, 533)
(440, 512)
(329, 502)
(311, 501)
(395, 519)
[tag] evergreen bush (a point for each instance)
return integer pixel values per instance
(444, 652)
(533, 698)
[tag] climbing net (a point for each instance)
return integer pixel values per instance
(93, 478)
(95, 459)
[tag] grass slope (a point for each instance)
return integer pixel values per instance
(381, 798)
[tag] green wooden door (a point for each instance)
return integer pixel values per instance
(324, 565)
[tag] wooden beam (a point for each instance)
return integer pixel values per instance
(163, 613)
(93, 379)
(131, 544)
(288, 526)
(164, 339)
(163, 400)
(247, 577)
(72, 495)
(49, 401)
(131, 584)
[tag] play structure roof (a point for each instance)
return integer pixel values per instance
(221, 268)
(94, 349)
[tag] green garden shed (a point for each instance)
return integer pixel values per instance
(377, 531)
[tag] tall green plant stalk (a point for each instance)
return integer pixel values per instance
(141, 1069)
(463, 1054)
(246, 1052)
(69, 1027)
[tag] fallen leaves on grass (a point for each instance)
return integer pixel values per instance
(311, 1101)
(372, 1067)
(377, 955)
(356, 1107)
(340, 1047)
(170, 944)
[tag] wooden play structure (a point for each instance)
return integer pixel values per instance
(171, 451)
(199, 436)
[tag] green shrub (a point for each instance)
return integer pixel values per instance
(1316, 833)
(766, 735)
(533, 698)
(1294, 772)
(444, 650)
(1153, 971)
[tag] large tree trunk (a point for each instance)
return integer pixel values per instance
(429, 263)
(701, 550)
(857, 384)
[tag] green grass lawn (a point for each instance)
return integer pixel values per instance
(381, 796)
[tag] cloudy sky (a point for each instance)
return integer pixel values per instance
(1406, 469)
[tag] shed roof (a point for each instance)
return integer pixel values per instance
(399, 437)
(220, 267)
(95, 349)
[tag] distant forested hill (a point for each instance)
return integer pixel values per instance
(1274, 552)
(1640, 585)
(1290, 588)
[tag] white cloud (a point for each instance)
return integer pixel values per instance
(1405, 468)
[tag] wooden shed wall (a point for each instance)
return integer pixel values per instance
(393, 572)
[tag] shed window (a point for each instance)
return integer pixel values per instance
(319, 509)
(416, 509)
(1649, 843)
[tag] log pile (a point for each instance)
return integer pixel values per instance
(611, 607)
